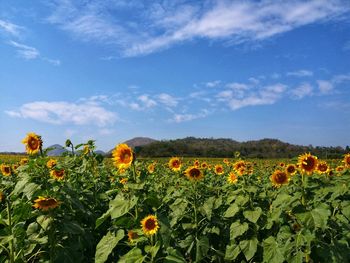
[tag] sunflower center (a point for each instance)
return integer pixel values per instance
(291, 169)
(309, 164)
(150, 224)
(281, 178)
(33, 143)
(195, 173)
(125, 156)
(322, 167)
(176, 164)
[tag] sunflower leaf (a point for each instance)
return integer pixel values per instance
(107, 244)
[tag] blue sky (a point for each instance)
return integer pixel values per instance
(111, 70)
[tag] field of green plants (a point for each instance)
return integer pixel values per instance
(82, 208)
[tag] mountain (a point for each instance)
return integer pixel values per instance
(209, 147)
(139, 141)
(56, 150)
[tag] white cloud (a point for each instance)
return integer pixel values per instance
(156, 26)
(325, 86)
(147, 101)
(10, 28)
(167, 100)
(24, 51)
(29, 53)
(65, 113)
(300, 73)
(301, 91)
(213, 84)
(178, 118)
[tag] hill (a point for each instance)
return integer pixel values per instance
(57, 150)
(209, 147)
(139, 141)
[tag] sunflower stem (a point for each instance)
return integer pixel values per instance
(195, 217)
(12, 247)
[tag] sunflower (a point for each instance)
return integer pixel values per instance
(218, 169)
(122, 156)
(232, 178)
(5, 169)
(340, 169)
(307, 163)
(23, 161)
(151, 168)
(279, 178)
(86, 150)
(239, 165)
(291, 169)
(150, 225)
(33, 143)
(193, 173)
(322, 167)
(282, 164)
(175, 164)
(15, 166)
(226, 161)
(196, 163)
(51, 163)
(346, 160)
(123, 180)
(45, 203)
(57, 174)
(132, 235)
(204, 165)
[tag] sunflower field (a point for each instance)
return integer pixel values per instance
(84, 208)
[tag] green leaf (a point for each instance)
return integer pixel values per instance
(254, 215)
(207, 208)
(232, 252)
(174, 256)
(44, 221)
(316, 218)
(106, 245)
(133, 256)
(120, 206)
(232, 210)
(241, 200)
(249, 247)
(346, 209)
(237, 229)
(202, 246)
(102, 218)
(272, 253)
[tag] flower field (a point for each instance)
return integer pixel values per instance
(84, 208)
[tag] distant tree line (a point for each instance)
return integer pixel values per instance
(209, 147)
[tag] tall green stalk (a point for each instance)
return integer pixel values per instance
(12, 246)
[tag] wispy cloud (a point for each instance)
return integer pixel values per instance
(300, 73)
(29, 53)
(303, 90)
(10, 28)
(325, 86)
(153, 27)
(25, 51)
(183, 117)
(61, 112)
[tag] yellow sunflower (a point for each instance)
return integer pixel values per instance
(57, 173)
(193, 173)
(291, 169)
(15, 166)
(5, 169)
(307, 163)
(322, 167)
(232, 178)
(346, 160)
(33, 143)
(150, 225)
(51, 163)
(340, 169)
(279, 178)
(218, 169)
(45, 203)
(151, 168)
(226, 161)
(132, 235)
(175, 164)
(122, 156)
(196, 163)
(23, 161)
(86, 150)
(123, 180)
(204, 165)
(239, 165)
